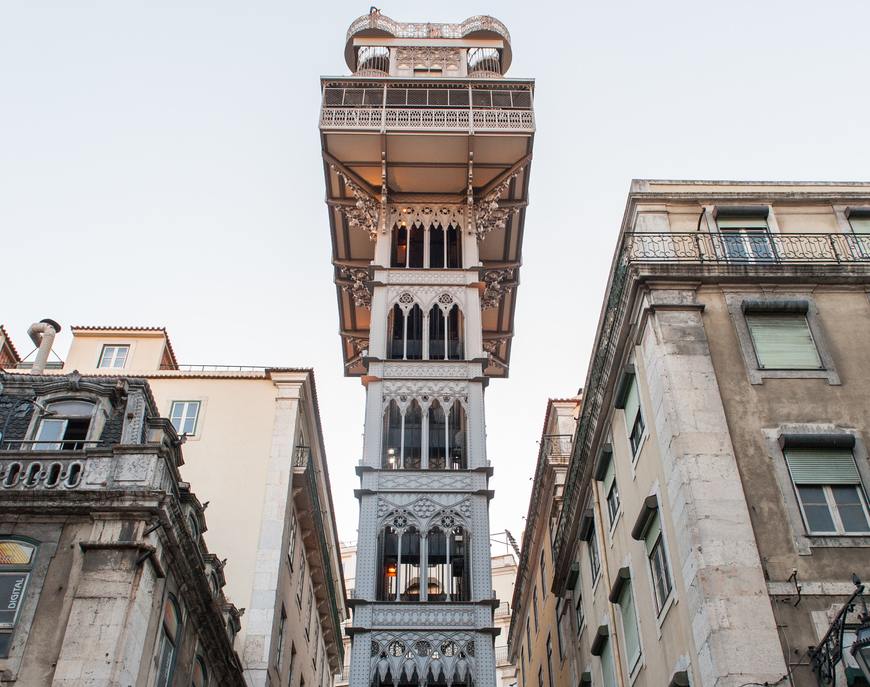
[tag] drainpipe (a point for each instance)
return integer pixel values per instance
(42, 334)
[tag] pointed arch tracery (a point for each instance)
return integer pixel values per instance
(427, 432)
(426, 325)
(440, 658)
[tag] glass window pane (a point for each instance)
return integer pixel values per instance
(50, 434)
(816, 509)
(629, 627)
(72, 408)
(850, 508)
(15, 553)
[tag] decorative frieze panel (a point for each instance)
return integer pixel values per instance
(427, 482)
(401, 615)
(417, 370)
(423, 277)
(422, 57)
(423, 656)
(423, 513)
(426, 296)
(426, 215)
(424, 391)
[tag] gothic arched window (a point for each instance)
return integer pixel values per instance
(447, 562)
(437, 432)
(170, 637)
(446, 333)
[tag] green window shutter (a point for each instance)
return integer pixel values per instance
(652, 534)
(629, 626)
(783, 342)
(744, 223)
(822, 466)
(632, 403)
(609, 476)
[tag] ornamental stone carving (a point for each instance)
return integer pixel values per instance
(488, 215)
(357, 285)
(498, 284)
(364, 213)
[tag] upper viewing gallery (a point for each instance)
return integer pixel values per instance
(426, 151)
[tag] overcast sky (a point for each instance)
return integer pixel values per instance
(160, 165)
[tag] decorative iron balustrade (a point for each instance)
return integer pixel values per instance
(503, 610)
(213, 368)
(397, 29)
(746, 247)
(399, 106)
(301, 455)
(44, 445)
(556, 447)
(502, 655)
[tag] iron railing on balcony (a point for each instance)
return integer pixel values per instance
(61, 445)
(556, 447)
(301, 454)
(502, 655)
(503, 610)
(213, 368)
(746, 248)
(401, 106)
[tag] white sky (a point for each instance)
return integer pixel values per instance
(160, 164)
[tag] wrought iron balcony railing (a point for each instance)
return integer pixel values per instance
(556, 447)
(400, 106)
(502, 656)
(747, 247)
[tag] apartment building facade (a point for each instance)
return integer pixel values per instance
(715, 505)
(254, 452)
(104, 575)
(542, 630)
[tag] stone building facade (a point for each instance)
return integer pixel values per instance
(272, 516)
(105, 579)
(715, 505)
(426, 150)
(542, 624)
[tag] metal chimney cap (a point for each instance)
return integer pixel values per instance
(54, 324)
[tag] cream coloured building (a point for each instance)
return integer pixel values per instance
(254, 453)
(715, 506)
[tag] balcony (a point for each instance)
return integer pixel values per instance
(400, 106)
(556, 448)
(502, 656)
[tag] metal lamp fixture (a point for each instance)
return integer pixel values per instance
(829, 652)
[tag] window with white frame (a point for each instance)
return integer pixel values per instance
(783, 341)
(580, 615)
(745, 238)
(829, 490)
(114, 357)
(611, 491)
(184, 416)
(279, 642)
(628, 399)
(65, 426)
(594, 556)
(608, 669)
(167, 646)
(291, 537)
(628, 616)
(859, 222)
(658, 563)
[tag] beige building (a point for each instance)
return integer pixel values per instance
(504, 575)
(254, 452)
(715, 505)
(105, 580)
(542, 627)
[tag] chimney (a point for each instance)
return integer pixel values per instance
(42, 334)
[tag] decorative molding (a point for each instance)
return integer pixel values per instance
(425, 481)
(488, 215)
(415, 370)
(426, 297)
(492, 345)
(364, 214)
(427, 277)
(424, 391)
(413, 214)
(425, 57)
(499, 283)
(360, 345)
(402, 616)
(358, 286)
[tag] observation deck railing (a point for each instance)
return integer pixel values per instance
(397, 105)
(754, 251)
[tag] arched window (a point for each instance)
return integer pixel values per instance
(446, 562)
(437, 432)
(170, 634)
(392, 437)
(65, 426)
(399, 256)
(412, 450)
(456, 434)
(409, 246)
(16, 563)
(415, 247)
(409, 565)
(402, 437)
(200, 674)
(388, 545)
(446, 333)
(454, 247)
(437, 248)
(405, 332)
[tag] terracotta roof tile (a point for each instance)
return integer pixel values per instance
(11, 345)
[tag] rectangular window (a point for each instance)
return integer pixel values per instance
(541, 677)
(292, 663)
(629, 628)
(658, 564)
(549, 661)
(608, 670)
(279, 642)
(114, 357)
(594, 560)
(612, 491)
(860, 224)
(783, 341)
(746, 239)
(561, 607)
(184, 415)
(543, 575)
(300, 589)
(523, 665)
(308, 614)
(535, 606)
(528, 638)
(291, 538)
(634, 422)
(581, 617)
(829, 490)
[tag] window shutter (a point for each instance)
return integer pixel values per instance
(783, 342)
(822, 466)
(652, 534)
(632, 403)
(629, 626)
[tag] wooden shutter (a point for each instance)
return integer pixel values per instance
(783, 342)
(822, 466)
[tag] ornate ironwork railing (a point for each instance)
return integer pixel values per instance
(501, 655)
(747, 247)
(428, 30)
(739, 248)
(557, 447)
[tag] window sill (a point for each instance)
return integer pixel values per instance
(636, 670)
(758, 375)
(833, 541)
